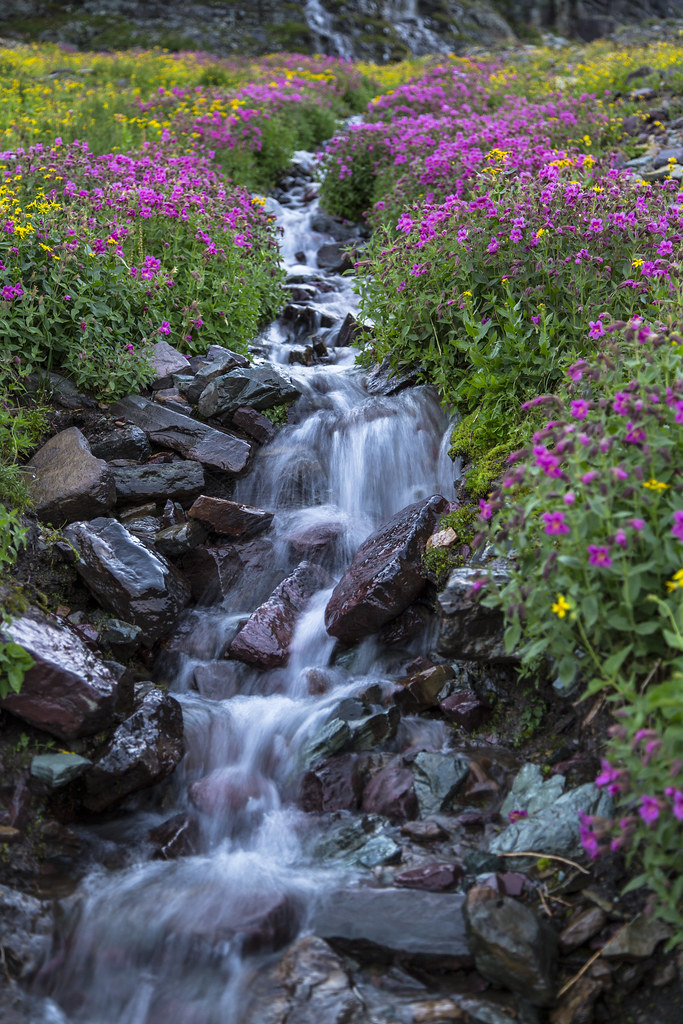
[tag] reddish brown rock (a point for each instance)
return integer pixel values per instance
(266, 637)
(435, 876)
(212, 571)
(68, 692)
(406, 627)
(384, 577)
(229, 517)
(466, 709)
(391, 793)
(177, 837)
(420, 691)
(423, 831)
(254, 424)
(334, 785)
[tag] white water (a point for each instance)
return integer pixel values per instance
(152, 941)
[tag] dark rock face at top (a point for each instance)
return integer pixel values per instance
(385, 574)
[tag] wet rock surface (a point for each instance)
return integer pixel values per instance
(68, 482)
(143, 750)
(468, 630)
(127, 578)
(68, 692)
(384, 576)
(179, 481)
(266, 637)
(259, 387)
(229, 517)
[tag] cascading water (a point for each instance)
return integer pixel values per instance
(180, 941)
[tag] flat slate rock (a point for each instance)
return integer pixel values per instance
(187, 436)
(229, 517)
(177, 480)
(259, 387)
(67, 482)
(403, 920)
(166, 361)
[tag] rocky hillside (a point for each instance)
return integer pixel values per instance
(375, 29)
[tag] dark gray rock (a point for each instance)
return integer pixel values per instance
(144, 749)
(127, 578)
(466, 709)
(177, 480)
(467, 630)
(229, 517)
(254, 424)
(385, 574)
(68, 692)
(166, 360)
(197, 441)
(130, 442)
(222, 363)
(326, 742)
(122, 638)
(438, 777)
(374, 730)
(665, 155)
(334, 256)
(512, 946)
(259, 387)
(402, 920)
(266, 637)
(383, 380)
(419, 692)
(67, 482)
(309, 985)
(531, 792)
(212, 571)
(176, 541)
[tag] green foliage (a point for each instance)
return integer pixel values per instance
(14, 660)
(14, 664)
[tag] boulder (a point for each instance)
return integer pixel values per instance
(333, 737)
(309, 985)
(390, 792)
(437, 779)
(466, 709)
(553, 829)
(177, 837)
(177, 480)
(402, 630)
(334, 785)
(384, 380)
(335, 257)
(512, 946)
(143, 750)
(531, 792)
(68, 692)
(130, 442)
(259, 387)
(165, 361)
(266, 636)
(193, 440)
(420, 691)
(254, 424)
(403, 920)
(212, 571)
(467, 630)
(229, 517)
(384, 577)
(222, 363)
(67, 482)
(128, 579)
(176, 541)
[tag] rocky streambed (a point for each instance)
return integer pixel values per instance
(261, 769)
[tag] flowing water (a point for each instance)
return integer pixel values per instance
(179, 941)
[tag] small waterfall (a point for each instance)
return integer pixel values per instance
(154, 941)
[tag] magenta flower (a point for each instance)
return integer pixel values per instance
(649, 809)
(676, 797)
(596, 329)
(485, 509)
(579, 409)
(599, 555)
(637, 524)
(621, 539)
(165, 327)
(130, 348)
(517, 815)
(677, 528)
(554, 523)
(492, 246)
(569, 498)
(590, 476)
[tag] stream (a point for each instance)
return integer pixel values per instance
(182, 941)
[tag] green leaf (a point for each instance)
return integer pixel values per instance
(673, 639)
(612, 664)
(589, 609)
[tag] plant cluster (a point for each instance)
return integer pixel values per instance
(590, 515)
